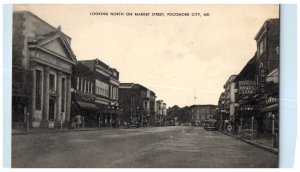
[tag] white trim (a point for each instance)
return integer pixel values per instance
(66, 44)
(115, 82)
(38, 60)
(52, 53)
(102, 72)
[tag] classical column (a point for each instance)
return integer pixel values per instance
(33, 92)
(58, 100)
(45, 116)
(68, 100)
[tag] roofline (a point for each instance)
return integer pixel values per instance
(263, 25)
(109, 67)
(35, 16)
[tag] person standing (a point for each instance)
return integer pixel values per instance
(78, 120)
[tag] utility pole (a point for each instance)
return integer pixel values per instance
(195, 96)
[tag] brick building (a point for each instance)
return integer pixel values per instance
(267, 97)
(138, 104)
(199, 113)
(95, 89)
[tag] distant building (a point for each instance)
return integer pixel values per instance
(246, 86)
(138, 104)
(230, 104)
(41, 72)
(161, 113)
(95, 92)
(199, 113)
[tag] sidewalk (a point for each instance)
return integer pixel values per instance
(58, 130)
(262, 143)
(54, 130)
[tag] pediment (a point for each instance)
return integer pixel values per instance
(58, 46)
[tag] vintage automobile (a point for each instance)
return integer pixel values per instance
(211, 124)
(133, 124)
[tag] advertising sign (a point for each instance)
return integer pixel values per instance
(247, 87)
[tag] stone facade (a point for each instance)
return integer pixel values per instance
(45, 54)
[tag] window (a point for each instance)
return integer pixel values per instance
(262, 46)
(102, 88)
(63, 94)
(38, 89)
(77, 83)
(51, 83)
(81, 83)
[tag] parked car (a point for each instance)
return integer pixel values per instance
(171, 124)
(134, 124)
(211, 124)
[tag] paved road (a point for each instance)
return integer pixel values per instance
(143, 147)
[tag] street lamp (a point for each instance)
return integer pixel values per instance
(222, 109)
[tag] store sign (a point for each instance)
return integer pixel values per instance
(83, 97)
(247, 87)
(271, 100)
(261, 80)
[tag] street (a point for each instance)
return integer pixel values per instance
(176, 146)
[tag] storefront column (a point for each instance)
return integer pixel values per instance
(46, 96)
(68, 100)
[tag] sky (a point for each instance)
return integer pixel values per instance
(177, 57)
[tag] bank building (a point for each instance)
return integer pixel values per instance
(41, 73)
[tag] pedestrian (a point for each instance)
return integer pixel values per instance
(226, 122)
(78, 121)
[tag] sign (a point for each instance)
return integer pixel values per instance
(271, 100)
(247, 87)
(229, 128)
(78, 96)
(261, 79)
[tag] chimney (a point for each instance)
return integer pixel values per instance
(59, 27)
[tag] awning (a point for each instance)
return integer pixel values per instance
(87, 106)
(112, 111)
(271, 108)
(273, 76)
(108, 111)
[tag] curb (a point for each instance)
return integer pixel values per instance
(260, 146)
(51, 131)
(37, 131)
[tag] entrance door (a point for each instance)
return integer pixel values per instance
(51, 109)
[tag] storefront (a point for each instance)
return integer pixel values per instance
(83, 104)
(21, 97)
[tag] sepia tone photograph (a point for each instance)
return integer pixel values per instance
(145, 86)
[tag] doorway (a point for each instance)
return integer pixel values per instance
(51, 109)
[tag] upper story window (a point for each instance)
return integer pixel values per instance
(102, 88)
(262, 46)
